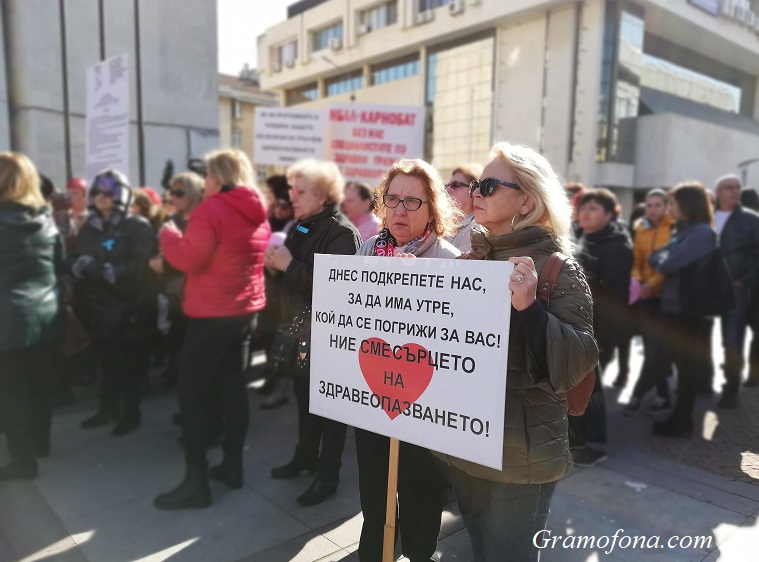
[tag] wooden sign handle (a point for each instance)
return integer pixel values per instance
(388, 543)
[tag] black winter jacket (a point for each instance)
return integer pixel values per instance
(124, 308)
(31, 251)
(739, 242)
(606, 257)
(327, 232)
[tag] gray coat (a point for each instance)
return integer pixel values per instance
(432, 247)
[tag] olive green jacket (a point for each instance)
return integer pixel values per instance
(536, 447)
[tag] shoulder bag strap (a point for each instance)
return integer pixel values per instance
(549, 275)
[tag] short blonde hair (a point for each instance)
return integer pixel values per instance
(445, 214)
(323, 176)
(534, 175)
(230, 166)
(19, 180)
(471, 170)
(192, 184)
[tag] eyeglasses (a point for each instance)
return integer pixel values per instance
(409, 203)
(178, 193)
(456, 184)
(283, 205)
(488, 186)
(95, 191)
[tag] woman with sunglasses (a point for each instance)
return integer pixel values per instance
(417, 215)
(458, 190)
(114, 298)
(186, 193)
(523, 217)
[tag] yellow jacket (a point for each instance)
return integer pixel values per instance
(648, 239)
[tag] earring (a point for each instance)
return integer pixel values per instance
(512, 221)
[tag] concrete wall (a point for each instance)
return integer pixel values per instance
(671, 148)
(5, 135)
(179, 78)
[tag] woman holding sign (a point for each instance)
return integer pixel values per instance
(417, 214)
(524, 217)
(317, 189)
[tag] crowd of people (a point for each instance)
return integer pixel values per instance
(217, 266)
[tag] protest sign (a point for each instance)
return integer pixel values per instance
(283, 136)
(414, 349)
(107, 122)
(365, 140)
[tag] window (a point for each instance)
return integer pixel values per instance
(236, 110)
(322, 37)
(347, 83)
(236, 138)
(379, 17)
(302, 94)
(287, 53)
(425, 5)
(395, 69)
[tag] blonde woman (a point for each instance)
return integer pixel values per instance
(30, 314)
(458, 189)
(523, 217)
(221, 253)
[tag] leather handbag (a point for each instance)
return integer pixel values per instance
(579, 395)
(706, 287)
(75, 337)
(290, 348)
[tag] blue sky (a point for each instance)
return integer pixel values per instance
(240, 22)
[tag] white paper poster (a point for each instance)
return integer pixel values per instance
(365, 140)
(107, 126)
(414, 349)
(283, 136)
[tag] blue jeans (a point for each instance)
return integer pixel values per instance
(734, 324)
(502, 519)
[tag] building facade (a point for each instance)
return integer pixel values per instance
(238, 98)
(179, 79)
(629, 95)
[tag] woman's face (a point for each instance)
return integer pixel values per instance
(674, 210)
(283, 210)
(104, 202)
(305, 198)
(496, 211)
(656, 208)
(593, 217)
(179, 199)
(459, 193)
(353, 206)
(406, 225)
(213, 186)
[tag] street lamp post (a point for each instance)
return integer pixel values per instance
(328, 60)
(743, 167)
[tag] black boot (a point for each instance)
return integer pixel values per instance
(194, 490)
(297, 465)
(319, 491)
(130, 417)
(101, 418)
(674, 426)
(229, 472)
(126, 424)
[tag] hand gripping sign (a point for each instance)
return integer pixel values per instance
(414, 349)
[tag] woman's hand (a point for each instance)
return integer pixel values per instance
(523, 282)
(277, 258)
(404, 255)
(156, 264)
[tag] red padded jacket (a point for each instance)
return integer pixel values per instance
(221, 252)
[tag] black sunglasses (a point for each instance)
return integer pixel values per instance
(101, 191)
(177, 193)
(456, 184)
(488, 186)
(409, 203)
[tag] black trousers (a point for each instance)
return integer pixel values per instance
(27, 381)
(422, 485)
(174, 341)
(314, 430)
(125, 366)
(213, 360)
(657, 359)
(687, 341)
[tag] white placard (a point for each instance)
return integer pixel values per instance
(429, 335)
(365, 140)
(107, 139)
(283, 136)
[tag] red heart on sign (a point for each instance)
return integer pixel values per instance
(378, 364)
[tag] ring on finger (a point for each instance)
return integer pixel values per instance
(519, 278)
